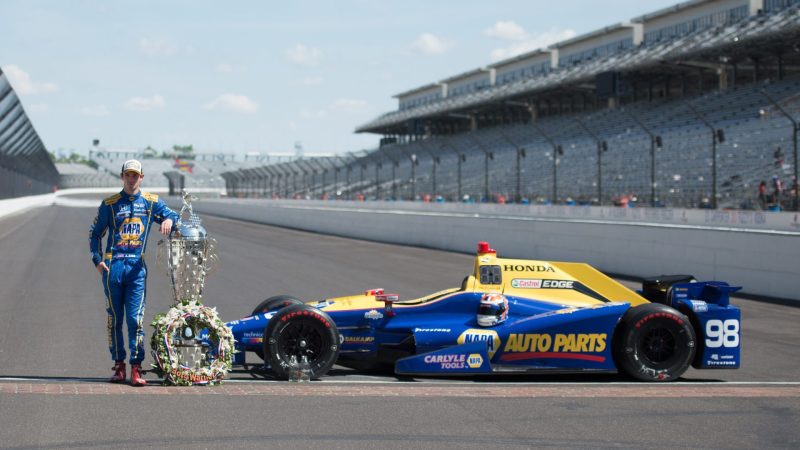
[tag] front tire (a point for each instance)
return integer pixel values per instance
(654, 342)
(275, 302)
(300, 330)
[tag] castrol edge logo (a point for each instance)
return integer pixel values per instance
(527, 283)
(474, 335)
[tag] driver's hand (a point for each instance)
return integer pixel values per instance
(102, 267)
(166, 227)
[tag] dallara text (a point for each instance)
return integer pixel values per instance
(508, 316)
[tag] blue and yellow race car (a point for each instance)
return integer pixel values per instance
(508, 316)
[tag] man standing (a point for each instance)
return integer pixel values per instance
(128, 216)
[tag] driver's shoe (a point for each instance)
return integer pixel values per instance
(119, 373)
(136, 376)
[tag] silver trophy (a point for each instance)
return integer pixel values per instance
(188, 256)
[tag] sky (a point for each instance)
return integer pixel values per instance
(258, 76)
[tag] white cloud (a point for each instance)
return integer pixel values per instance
(39, 107)
(225, 68)
(156, 47)
(232, 103)
(308, 81)
(532, 42)
(430, 44)
(304, 55)
(506, 30)
(145, 103)
(94, 111)
(349, 105)
(23, 84)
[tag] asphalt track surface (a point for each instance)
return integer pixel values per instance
(54, 362)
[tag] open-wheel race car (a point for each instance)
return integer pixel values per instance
(508, 316)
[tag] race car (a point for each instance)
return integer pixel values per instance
(508, 316)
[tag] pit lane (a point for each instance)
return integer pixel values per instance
(52, 338)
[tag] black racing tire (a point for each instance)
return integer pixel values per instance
(275, 302)
(654, 342)
(301, 330)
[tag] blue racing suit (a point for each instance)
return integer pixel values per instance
(129, 217)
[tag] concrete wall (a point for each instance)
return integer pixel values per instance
(759, 252)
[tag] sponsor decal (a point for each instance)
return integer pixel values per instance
(431, 330)
(310, 314)
(699, 305)
(323, 304)
(373, 315)
(650, 317)
(527, 268)
(474, 360)
(447, 361)
(358, 339)
(560, 345)
(525, 283)
(720, 363)
(131, 229)
(474, 335)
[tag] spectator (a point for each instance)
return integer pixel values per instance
(762, 194)
(778, 155)
(777, 190)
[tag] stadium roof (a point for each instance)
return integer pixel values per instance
(593, 34)
(731, 39)
(524, 56)
(668, 10)
(416, 90)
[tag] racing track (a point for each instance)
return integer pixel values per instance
(53, 361)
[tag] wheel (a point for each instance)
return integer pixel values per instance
(275, 302)
(300, 330)
(272, 303)
(654, 342)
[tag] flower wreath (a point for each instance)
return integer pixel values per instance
(199, 317)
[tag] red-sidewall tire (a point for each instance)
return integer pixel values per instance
(654, 342)
(301, 330)
(275, 302)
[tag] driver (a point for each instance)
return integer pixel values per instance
(127, 217)
(493, 310)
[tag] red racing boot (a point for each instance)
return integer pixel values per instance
(136, 377)
(119, 373)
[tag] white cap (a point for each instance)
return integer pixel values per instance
(132, 165)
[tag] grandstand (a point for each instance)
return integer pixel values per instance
(25, 166)
(691, 106)
(72, 175)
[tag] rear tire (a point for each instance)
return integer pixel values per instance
(300, 330)
(654, 342)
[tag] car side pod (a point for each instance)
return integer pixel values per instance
(717, 323)
(465, 359)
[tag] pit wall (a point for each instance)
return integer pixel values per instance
(757, 250)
